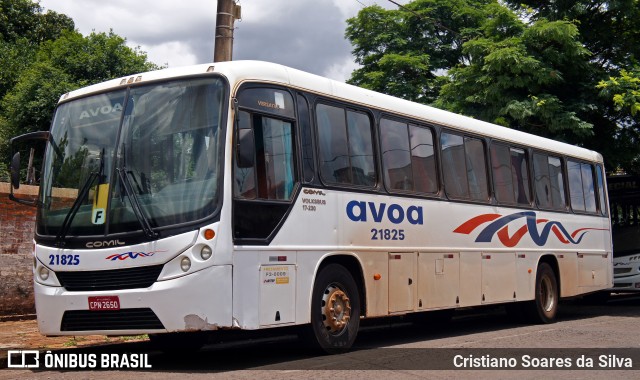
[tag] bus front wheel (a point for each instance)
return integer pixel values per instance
(335, 310)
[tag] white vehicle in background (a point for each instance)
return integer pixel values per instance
(624, 199)
(248, 195)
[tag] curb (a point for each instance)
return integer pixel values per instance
(18, 317)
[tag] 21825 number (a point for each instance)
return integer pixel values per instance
(64, 259)
(387, 234)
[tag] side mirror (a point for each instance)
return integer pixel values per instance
(15, 171)
(245, 148)
(29, 142)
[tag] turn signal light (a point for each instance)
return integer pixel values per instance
(209, 234)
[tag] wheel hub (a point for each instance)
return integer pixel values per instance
(336, 309)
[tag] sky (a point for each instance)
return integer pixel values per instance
(304, 34)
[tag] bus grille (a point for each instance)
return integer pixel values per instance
(124, 319)
(117, 279)
(621, 270)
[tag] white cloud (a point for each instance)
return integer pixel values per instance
(341, 70)
(173, 54)
(305, 34)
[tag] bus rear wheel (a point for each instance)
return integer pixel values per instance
(544, 307)
(335, 310)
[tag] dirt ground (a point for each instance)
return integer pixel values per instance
(24, 334)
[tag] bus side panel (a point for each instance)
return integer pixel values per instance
(470, 279)
(438, 280)
(376, 265)
(526, 263)
(498, 277)
(568, 269)
(592, 270)
(265, 286)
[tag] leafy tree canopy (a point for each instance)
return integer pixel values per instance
(538, 66)
(43, 57)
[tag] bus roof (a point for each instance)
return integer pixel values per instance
(238, 72)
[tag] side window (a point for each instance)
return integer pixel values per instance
(601, 194)
(396, 155)
(548, 182)
(305, 135)
(423, 159)
(272, 175)
(245, 178)
(581, 186)
(408, 157)
(464, 167)
(346, 146)
(510, 174)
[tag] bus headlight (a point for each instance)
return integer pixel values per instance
(185, 264)
(206, 253)
(43, 273)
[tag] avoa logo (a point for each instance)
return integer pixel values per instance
(104, 110)
(359, 211)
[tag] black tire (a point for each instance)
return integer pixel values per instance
(335, 310)
(544, 308)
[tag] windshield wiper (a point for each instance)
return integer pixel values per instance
(82, 194)
(135, 204)
(66, 224)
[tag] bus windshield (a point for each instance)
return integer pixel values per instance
(624, 196)
(139, 158)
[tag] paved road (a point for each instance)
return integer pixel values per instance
(398, 349)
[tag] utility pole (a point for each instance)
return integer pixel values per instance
(228, 12)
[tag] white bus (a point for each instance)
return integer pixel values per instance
(624, 191)
(248, 195)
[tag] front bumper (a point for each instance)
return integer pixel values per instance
(626, 276)
(198, 301)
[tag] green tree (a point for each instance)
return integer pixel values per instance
(403, 52)
(531, 65)
(624, 92)
(23, 27)
(523, 76)
(610, 30)
(69, 62)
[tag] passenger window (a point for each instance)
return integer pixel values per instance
(346, 146)
(464, 167)
(272, 176)
(361, 149)
(588, 186)
(548, 182)
(423, 159)
(581, 186)
(575, 186)
(396, 155)
(600, 178)
(245, 184)
(510, 174)
(454, 166)
(307, 143)
(408, 157)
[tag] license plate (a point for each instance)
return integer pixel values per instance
(104, 303)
